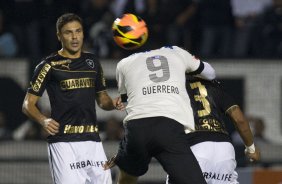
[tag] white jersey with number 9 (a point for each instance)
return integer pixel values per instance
(154, 82)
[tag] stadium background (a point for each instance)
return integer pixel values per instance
(242, 39)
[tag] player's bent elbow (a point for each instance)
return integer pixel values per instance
(25, 108)
(212, 75)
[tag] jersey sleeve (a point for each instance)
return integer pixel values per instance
(100, 84)
(120, 80)
(40, 79)
(193, 65)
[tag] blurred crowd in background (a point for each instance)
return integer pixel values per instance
(206, 28)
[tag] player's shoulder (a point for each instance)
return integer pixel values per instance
(90, 56)
(134, 58)
(163, 51)
(123, 62)
(168, 49)
(177, 51)
(47, 60)
(183, 52)
(216, 88)
(54, 59)
(174, 48)
(50, 57)
(214, 84)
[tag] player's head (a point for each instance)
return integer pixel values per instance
(70, 32)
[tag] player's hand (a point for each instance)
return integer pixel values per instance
(51, 126)
(253, 156)
(118, 104)
(110, 163)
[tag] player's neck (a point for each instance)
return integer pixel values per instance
(63, 52)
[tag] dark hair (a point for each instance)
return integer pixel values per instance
(66, 18)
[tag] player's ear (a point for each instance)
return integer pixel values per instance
(58, 36)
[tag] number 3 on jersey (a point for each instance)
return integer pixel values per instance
(151, 65)
(202, 98)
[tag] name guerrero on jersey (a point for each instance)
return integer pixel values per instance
(154, 82)
(71, 85)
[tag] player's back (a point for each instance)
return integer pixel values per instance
(154, 82)
(209, 103)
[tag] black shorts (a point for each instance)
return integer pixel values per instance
(164, 139)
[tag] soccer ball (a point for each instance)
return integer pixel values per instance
(129, 31)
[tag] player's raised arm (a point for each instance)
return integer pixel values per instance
(244, 130)
(205, 71)
(195, 66)
(208, 72)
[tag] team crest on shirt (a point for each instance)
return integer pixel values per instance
(90, 63)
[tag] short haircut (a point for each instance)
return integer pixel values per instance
(66, 18)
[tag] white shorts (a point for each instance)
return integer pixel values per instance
(217, 161)
(78, 163)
